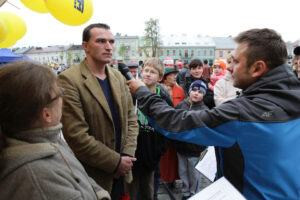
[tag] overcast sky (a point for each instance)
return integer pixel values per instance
(193, 17)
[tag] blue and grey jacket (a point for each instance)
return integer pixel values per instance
(260, 132)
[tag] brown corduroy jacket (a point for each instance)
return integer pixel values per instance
(87, 122)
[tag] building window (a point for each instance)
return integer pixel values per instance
(133, 53)
(199, 53)
(141, 53)
(204, 52)
(210, 52)
(161, 52)
(180, 53)
(174, 52)
(192, 53)
(168, 53)
(186, 53)
(221, 54)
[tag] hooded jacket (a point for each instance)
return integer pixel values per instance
(38, 164)
(259, 130)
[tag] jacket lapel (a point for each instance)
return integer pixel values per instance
(116, 92)
(94, 88)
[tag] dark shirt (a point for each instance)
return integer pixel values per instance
(115, 115)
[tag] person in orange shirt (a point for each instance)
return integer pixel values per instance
(169, 81)
(169, 161)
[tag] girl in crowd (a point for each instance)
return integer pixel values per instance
(219, 72)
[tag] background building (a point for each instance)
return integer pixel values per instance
(224, 46)
(186, 48)
(126, 48)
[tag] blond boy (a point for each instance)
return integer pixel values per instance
(151, 144)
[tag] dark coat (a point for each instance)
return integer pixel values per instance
(185, 148)
(209, 97)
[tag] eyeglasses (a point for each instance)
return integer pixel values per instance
(62, 93)
(151, 71)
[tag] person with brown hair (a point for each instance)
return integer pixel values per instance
(35, 162)
(195, 72)
(99, 121)
(257, 133)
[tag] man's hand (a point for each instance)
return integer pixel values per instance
(134, 85)
(125, 166)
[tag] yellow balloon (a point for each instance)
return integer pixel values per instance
(36, 5)
(16, 26)
(70, 12)
(3, 31)
(7, 43)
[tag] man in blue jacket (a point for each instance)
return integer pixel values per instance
(257, 134)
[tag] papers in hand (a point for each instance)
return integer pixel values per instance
(219, 190)
(207, 164)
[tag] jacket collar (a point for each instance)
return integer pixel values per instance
(39, 135)
(94, 87)
(276, 78)
(27, 146)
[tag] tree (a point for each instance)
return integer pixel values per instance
(69, 58)
(122, 51)
(152, 37)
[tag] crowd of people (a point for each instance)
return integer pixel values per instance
(88, 133)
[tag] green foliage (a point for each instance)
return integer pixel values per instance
(122, 51)
(69, 57)
(152, 37)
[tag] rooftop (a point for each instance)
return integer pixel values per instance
(224, 42)
(185, 40)
(48, 49)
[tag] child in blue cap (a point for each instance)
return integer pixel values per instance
(188, 154)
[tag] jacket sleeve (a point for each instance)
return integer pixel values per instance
(76, 131)
(133, 127)
(216, 127)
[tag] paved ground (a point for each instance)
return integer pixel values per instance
(164, 195)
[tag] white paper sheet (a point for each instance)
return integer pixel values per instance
(219, 190)
(208, 164)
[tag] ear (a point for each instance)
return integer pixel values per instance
(160, 78)
(258, 69)
(46, 115)
(84, 46)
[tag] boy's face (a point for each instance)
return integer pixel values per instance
(196, 96)
(197, 71)
(150, 76)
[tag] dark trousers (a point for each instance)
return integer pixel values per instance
(117, 189)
